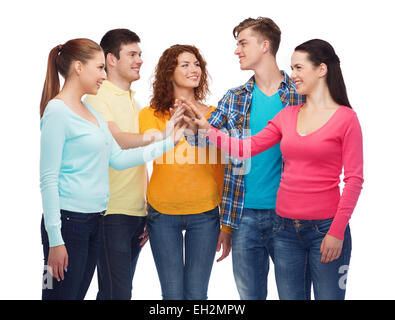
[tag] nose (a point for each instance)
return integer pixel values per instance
(237, 51)
(140, 61)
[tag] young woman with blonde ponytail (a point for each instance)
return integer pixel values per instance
(77, 149)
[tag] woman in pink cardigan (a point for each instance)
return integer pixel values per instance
(318, 139)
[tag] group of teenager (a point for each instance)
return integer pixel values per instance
(283, 204)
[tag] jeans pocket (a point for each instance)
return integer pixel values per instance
(74, 217)
(152, 213)
(322, 227)
(278, 224)
(212, 213)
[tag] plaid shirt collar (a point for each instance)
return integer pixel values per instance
(286, 83)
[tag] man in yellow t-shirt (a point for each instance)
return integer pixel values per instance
(123, 229)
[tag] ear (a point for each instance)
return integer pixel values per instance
(266, 46)
(323, 70)
(111, 60)
(77, 67)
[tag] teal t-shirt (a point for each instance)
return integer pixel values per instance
(263, 179)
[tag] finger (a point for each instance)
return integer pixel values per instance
(66, 262)
(55, 272)
(191, 111)
(336, 254)
(61, 270)
(331, 255)
(323, 255)
(225, 253)
(143, 241)
(188, 120)
(328, 255)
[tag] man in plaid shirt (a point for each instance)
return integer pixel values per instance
(250, 188)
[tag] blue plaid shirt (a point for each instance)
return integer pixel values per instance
(232, 114)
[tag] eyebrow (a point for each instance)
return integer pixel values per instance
(189, 61)
(138, 52)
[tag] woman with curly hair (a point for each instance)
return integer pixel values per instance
(185, 187)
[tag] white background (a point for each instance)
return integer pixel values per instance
(360, 31)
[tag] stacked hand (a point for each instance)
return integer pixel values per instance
(192, 117)
(176, 126)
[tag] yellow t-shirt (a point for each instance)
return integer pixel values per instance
(127, 187)
(183, 180)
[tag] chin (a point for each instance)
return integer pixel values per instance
(245, 67)
(93, 91)
(134, 77)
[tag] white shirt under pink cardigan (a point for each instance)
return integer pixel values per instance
(309, 188)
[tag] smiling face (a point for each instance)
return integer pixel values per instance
(129, 63)
(250, 49)
(91, 73)
(305, 74)
(188, 72)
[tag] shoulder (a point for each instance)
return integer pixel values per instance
(348, 116)
(243, 89)
(55, 107)
(56, 115)
(147, 112)
(290, 109)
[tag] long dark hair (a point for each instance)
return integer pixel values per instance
(59, 61)
(320, 51)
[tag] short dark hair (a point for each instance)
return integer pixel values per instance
(113, 39)
(265, 27)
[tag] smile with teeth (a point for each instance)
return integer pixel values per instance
(194, 78)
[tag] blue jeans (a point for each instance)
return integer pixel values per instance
(80, 232)
(183, 277)
(251, 248)
(120, 249)
(297, 253)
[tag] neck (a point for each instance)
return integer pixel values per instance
(267, 74)
(120, 82)
(71, 92)
(320, 97)
(186, 93)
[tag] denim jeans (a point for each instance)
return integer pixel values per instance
(297, 252)
(183, 277)
(120, 249)
(80, 232)
(251, 248)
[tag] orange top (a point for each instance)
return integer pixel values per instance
(186, 179)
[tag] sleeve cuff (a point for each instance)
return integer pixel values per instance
(55, 237)
(226, 229)
(338, 226)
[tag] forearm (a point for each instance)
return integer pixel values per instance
(123, 159)
(127, 140)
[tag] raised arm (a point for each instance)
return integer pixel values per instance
(238, 148)
(123, 159)
(246, 148)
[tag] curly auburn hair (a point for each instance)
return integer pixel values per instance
(163, 91)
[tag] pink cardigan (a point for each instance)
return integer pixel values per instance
(309, 187)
